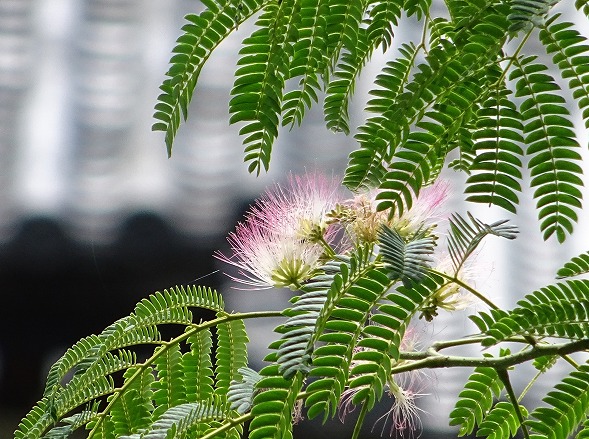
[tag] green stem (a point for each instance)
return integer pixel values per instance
(329, 252)
(228, 424)
(504, 376)
(432, 359)
(467, 287)
(195, 328)
(513, 57)
(360, 421)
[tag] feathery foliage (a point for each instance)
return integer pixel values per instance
(466, 89)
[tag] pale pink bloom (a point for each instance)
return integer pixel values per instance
(428, 209)
(404, 412)
(283, 237)
(303, 206)
(451, 296)
(404, 388)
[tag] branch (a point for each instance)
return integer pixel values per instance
(165, 346)
(432, 359)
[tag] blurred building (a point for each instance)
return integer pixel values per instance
(93, 214)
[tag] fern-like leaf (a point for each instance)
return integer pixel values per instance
(197, 367)
(230, 355)
(576, 266)
(475, 401)
(241, 392)
(567, 407)
(384, 15)
(274, 403)
(259, 82)
(496, 169)
(501, 422)
(379, 346)
(406, 261)
(365, 166)
(560, 310)
(175, 422)
(202, 34)
(354, 295)
(300, 329)
(552, 148)
(170, 388)
(569, 52)
(465, 237)
(308, 61)
(526, 14)
(341, 87)
(131, 412)
(542, 364)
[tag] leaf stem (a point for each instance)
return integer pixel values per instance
(229, 423)
(467, 287)
(504, 376)
(433, 359)
(167, 345)
(360, 421)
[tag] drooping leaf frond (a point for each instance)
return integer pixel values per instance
(551, 146)
(501, 422)
(465, 237)
(560, 310)
(202, 34)
(341, 86)
(496, 168)
(576, 266)
(230, 355)
(259, 82)
(308, 61)
(439, 102)
(365, 168)
(383, 16)
(475, 401)
(197, 367)
(241, 392)
(406, 261)
(569, 50)
(169, 386)
(567, 407)
(526, 14)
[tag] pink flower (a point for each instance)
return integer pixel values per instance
(403, 388)
(427, 210)
(404, 413)
(363, 221)
(285, 234)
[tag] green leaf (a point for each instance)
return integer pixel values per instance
(576, 266)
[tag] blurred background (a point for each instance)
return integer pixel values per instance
(94, 217)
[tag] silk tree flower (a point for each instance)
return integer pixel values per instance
(362, 221)
(404, 388)
(451, 296)
(404, 412)
(285, 234)
(302, 208)
(427, 210)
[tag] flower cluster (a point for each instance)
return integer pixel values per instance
(285, 234)
(404, 389)
(363, 221)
